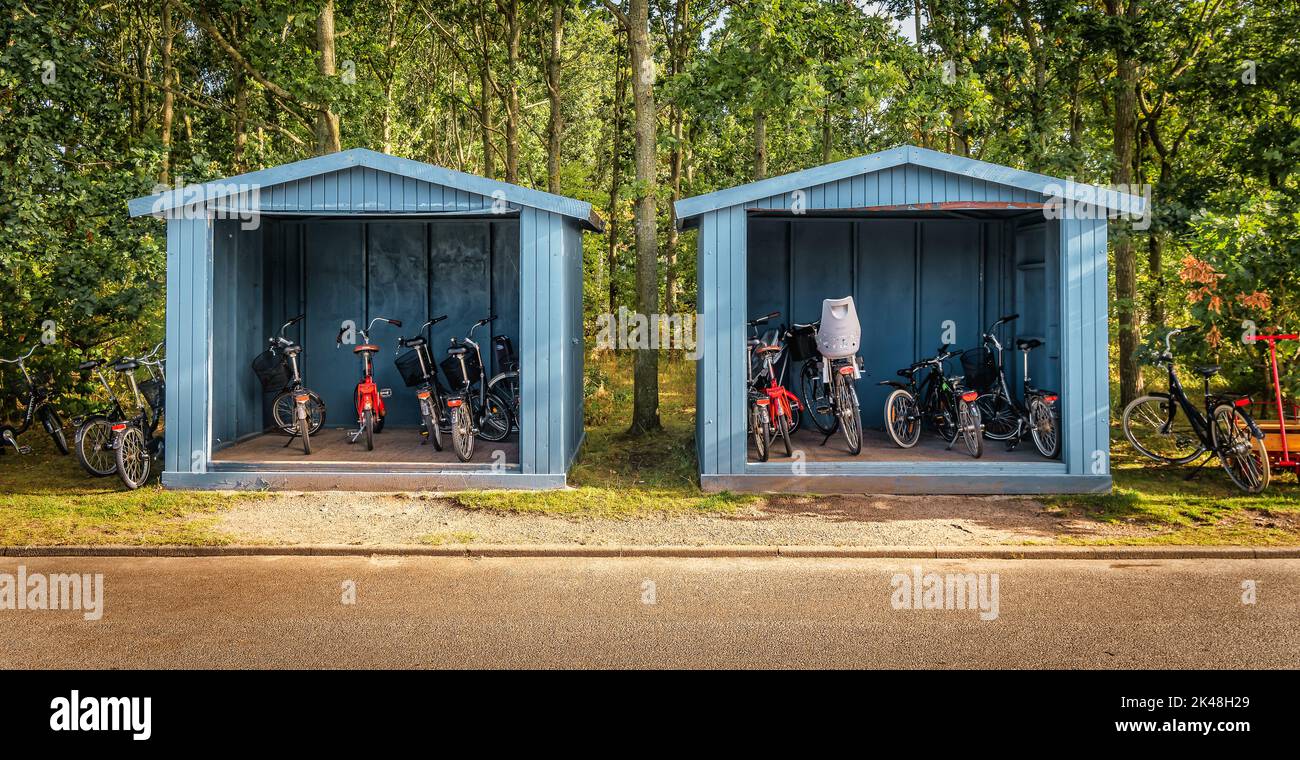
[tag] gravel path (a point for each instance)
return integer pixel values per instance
(372, 519)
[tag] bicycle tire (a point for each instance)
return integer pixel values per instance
(968, 420)
(902, 418)
(283, 415)
(850, 415)
(93, 443)
(811, 391)
(1044, 427)
(54, 427)
(368, 428)
(783, 430)
(1168, 408)
(131, 451)
(1001, 422)
(304, 430)
(1242, 455)
(462, 433)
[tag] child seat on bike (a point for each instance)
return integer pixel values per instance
(840, 333)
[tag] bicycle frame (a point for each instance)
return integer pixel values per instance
(1199, 421)
(478, 398)
(368, 396)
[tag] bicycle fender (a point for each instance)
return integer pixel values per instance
(893, 384)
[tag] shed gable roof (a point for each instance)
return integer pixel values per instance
(165, 201)
(902, 155)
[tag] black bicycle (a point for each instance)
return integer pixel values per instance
(827, 386)
(475, 407)
(138, 441)
(418, 371)
(937, 400)
(1168, 428)
(1007, 418)
(297, 411)
(38, 407)
(93, 441)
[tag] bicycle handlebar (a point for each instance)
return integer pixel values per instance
(22, 358)
(1169, 350)
(763, 319)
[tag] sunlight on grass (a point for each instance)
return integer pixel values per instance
(619, 475)
(47, 499)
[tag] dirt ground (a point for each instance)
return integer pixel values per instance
(374, 519)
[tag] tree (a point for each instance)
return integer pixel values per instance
(636, 21)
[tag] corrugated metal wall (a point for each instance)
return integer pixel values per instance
(536, 260)
(724, 297)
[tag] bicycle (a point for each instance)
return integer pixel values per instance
(827, 387)
(771, 409)
(369, 397)
(1005, 417)
(297, 411)
(418, 371)
(93, 441)
(505, 383)
(938, 399)
(487, 415)
(38, 407)
(1153, 426)
(136, 442)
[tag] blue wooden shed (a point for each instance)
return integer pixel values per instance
(347, 237)
(931, 246)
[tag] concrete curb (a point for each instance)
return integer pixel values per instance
(705, 552)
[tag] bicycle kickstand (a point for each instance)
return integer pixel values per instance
(292, 437)
(1209, 455)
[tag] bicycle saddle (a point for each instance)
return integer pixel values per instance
(754, 342)
(89, 364)
(1207, 370)
(767, 349)
(293, 349)
(413, 342)
(1028, 345)
(456, 350)
(125, 365)
(366, 348)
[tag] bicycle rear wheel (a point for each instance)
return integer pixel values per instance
(968, 421)
(368, 428)
(284, 408)
(94, 446)
(1001, 423)
(132, 453)
(783, 428)
(1157, 428)
(761, 427)
(902, 418)
(462, 433)
(1043, 427)
(850, 416)
(1242, 455)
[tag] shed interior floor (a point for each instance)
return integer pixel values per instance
(396, 448)
(877, 447)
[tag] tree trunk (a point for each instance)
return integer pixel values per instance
(1125, 133)
(760, 144)
(615, 182)
(679, 47)
(169, 99)
(555, 125)
(327, 123)
(645, 394)
(510, 9)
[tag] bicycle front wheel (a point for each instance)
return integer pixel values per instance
(284, 412)
(132, 456)
(1158, 429)
(817, 401)
(1000, 419)
(1242, 455)
(496, 419)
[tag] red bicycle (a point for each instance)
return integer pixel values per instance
(773, 410)
(369, 397)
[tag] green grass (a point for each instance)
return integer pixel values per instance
(47, 500)
(618, 475)
(1159, 506)
(452, 537)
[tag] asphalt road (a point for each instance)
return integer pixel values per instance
(456, 612)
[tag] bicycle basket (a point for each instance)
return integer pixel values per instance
(503, 352)
(271, 368)
(803, 343)
(408, 366)
(451, 369)
(153, 392)
(980, 368)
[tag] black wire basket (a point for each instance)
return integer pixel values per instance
(451, 369)
(980, 368)
(803, 343)
(408, 366)
(271, 368)
(154, 393)
(503, 352)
